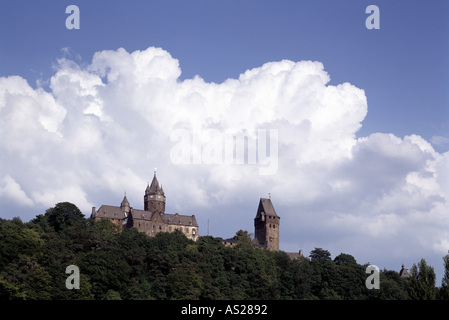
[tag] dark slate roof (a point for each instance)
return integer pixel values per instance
(110, 212)
(294, 255)
(142, 214)
(265, 205)
(179, 219)
(167, 218)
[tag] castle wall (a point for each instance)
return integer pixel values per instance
(272, 232)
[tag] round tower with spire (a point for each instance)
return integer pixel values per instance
(154, 198)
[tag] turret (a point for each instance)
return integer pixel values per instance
(124, 206)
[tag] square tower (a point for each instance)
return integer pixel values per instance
(266, 225)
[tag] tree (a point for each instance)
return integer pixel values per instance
(422, 282)
(10, 291)
(345, 259)
(184, 283)
(444, 290)
(302, 278)
(242, 236)
(212, 268)
(63, 215)
(112, 295)
(393, 287)
(349, 280)
(16, 239)
(32, 280)
(320, 255)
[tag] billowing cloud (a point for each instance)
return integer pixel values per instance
(102, 128)
(12, 190)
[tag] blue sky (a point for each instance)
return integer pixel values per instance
(403, 67)
(84, 120)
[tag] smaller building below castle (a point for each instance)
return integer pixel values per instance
(152, 219)
(404, 273)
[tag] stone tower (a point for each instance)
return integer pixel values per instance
(154, 199)
(266, 225)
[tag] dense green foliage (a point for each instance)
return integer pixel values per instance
(129, 265)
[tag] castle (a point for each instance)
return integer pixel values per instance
(152, 219)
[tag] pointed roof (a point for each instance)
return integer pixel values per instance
(154, 188)
(266, 206)
(125, 202)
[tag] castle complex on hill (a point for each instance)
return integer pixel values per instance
(153, 219)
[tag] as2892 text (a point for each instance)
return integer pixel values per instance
(246, 309)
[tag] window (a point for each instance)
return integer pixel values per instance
(193, 231)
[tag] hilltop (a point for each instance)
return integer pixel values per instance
(127, 264)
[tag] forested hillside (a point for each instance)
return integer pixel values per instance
(129, 265)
